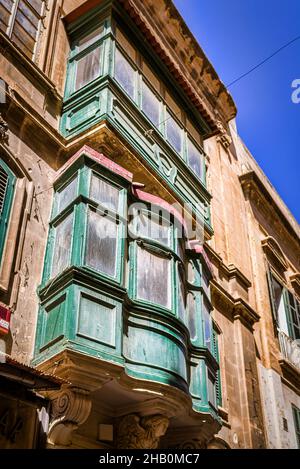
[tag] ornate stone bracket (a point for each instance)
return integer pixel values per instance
(3, 131)
(224, 138)
(193, 443)
(136, 432)
(70, 409)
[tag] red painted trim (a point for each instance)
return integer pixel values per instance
(200, 249)
(155, 200)
(100, 159)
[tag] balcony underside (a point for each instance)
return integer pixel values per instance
(114, 394)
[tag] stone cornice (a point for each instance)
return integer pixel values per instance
(230, 270)
(235, 308)
(256, 191)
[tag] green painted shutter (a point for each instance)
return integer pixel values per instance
(288, 312)
(292, 309)
(272, 297)
(7, 182)
(218, 374)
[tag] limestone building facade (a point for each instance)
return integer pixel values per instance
(147, 263)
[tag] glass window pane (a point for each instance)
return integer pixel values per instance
(5, 12)
(277, 290)
(23, 40)
(211, 389)
(173, 133)
(153, 278)
(151, 227)
(181, 293)
(102, 236)
(150, 104)
(86, 41)
(62, 247)
(206, 325)
(7, 4)
(191, 308)
(124, 73)
(67, 194)
(33, 17)
(26, 25)
(88, 68)
(104, 193)
(36, 4)
(205, 282)
(195, 159)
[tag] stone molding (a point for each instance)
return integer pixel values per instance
(3, 131)
(236, 308)
(274, 252)
(223, 136)
(295, 282)
(275, 213)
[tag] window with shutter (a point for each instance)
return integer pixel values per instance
(7, 180)
(292, 307)
(21, 21)
(218, 376)
(285, 308)
(3, 187)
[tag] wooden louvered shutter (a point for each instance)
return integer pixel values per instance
(3, 187)
(272, 298)
(7, 182)
(218, 374)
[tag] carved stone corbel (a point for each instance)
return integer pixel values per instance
(135, 432)
(70, 409)
(224, 138)
(3, 130)
(193, 443)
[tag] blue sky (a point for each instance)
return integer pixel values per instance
(236, 35)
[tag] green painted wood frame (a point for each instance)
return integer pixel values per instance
(7, 204)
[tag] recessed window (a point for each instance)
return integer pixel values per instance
(286, 308)
(124, 73)
(173, 133)
(101, 250)
(104, 193)
(150, 104)
(62, 246)
(153, 277)
(87, 68)
(194, 159)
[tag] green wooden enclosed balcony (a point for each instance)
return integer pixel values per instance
(123, 285)
(114, 80)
